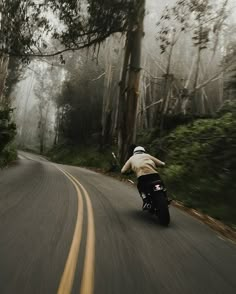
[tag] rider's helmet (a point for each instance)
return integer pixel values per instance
(139, 150)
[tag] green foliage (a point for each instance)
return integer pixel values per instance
(80, 105)
(149, 137)
(228, 107)
(200, 17)
(7, 134)
(7, 127)
(15, 74)
(82, 156)
(103, 19)
(84, 24)
(230, 76)
(19, 21)
(201, 164)
(8, 155)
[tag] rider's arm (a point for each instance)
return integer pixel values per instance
(126, 167)
(157, 161)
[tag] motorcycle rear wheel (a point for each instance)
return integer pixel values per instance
(163, 210)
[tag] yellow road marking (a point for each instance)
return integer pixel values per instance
(67, 279)
(87, 283)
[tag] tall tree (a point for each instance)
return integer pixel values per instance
(129, 85)
(202, 24)
(84, 25)
(230, 76)
(112, 54)
(80, 102)
(4, 62)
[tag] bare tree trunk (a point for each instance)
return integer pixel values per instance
(195, 91)
(23, 128)
(107, 111)
(142, 122)
(122, 100)
(57, 127)
(107, 97)
(190, 74)
(167, 87)
(43, 127)
(144, 112)
(4, 61)
(129, 94)
(110, 96)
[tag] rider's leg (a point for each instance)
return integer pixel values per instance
(143, 194)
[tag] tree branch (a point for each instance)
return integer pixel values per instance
(149, 106)
(99, 77)
(213, 78)
(75, 48)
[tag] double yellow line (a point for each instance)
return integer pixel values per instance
(87, 282)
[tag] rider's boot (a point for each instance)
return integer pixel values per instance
(146, 202)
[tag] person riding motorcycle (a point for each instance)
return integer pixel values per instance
(144, 166)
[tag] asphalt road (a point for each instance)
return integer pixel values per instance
(70, 230)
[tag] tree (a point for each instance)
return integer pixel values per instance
(173, 22)
(23, 32)
(79, 104)
(202, 26)
(112, 54)
(7, 128)
(46, 91)
(129, 84)
(230, 76)
(4, 62)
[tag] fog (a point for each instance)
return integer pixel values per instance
(25, 98)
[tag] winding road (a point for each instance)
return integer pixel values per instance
(66, 230)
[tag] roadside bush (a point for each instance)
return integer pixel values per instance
(82, 156)
(8, 155)
(7, 134)
(201, 164)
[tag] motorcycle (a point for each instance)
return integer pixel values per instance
(155, 193)
(157, 201)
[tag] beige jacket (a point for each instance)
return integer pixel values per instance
(142, 164)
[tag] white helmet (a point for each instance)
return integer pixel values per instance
(139, 149)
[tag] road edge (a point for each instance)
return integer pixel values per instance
(222, 229)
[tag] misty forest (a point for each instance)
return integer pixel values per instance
(82, 80)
